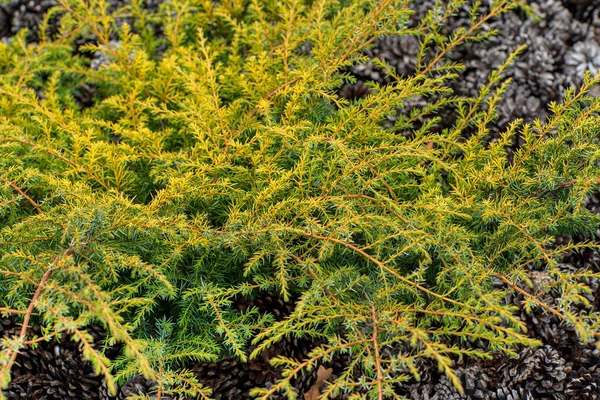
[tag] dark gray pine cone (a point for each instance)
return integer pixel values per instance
(430, 391)
(100, 59)
(84, 95)
(427, 374)
(593, 203)
(266, 302)
(585, 379)
(538, 73)
(541, 371)
(507, 393)
(591, 16)
(550, 329)
(304, 382)
(368, 72)
(114, 6)
(152, 5)
(354, 91)
(443, 390)
(581, 259)
(138, 385)
(20, 14)
(580, 262)
(585, 384)
(398, 51)
(583, 56)
(232, 379)
(589, 356)
(7, 326)
(105, 393)
(304, 49)
(476, 382)
(446, 115)
(477, 377)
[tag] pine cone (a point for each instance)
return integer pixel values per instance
(354, 91)
(476, 382)
(590, 356)
(506, 393)
(541, 371)
(138, 385)
(105, 393)
(592, 203)
(583, 56)
(232, 379)
(444, 390)
(585, 385)
(266, 302)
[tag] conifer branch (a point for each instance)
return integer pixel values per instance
(496, 10)
(99, 361)
(57, 155)
(383, 267)
(379, 379)
(30, 308)
(4, 310)
(22, 193)
(530, 296)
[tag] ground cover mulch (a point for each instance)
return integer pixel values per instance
(563, 44)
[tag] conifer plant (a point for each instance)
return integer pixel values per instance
(217, 161)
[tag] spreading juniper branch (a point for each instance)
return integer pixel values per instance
(11, 355)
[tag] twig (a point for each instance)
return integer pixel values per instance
(4, 310)
(529, 295)
(22, 193)
(377, 356)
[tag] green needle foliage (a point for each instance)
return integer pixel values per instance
(217, 161)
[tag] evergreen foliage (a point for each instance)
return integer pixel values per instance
(218, 161)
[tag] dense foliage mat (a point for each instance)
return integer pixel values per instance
(217, 160)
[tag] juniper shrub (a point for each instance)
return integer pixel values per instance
(216, 160)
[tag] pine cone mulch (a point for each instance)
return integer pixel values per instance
(54, 370)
